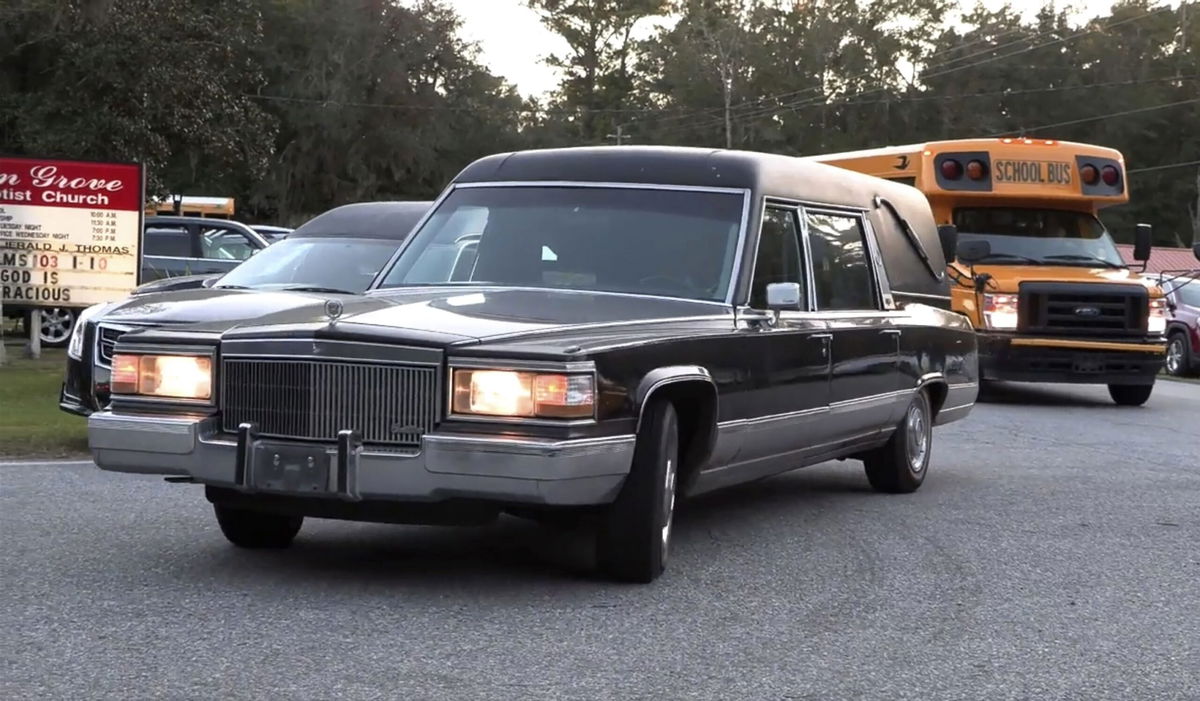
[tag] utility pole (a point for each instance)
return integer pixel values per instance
(2, 358)
(619, 136)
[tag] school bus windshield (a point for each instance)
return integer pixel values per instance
(1030, 236)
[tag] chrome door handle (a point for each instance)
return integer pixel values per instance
(891, 332)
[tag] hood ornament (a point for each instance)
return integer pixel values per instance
(334, 309)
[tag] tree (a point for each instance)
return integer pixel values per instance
(598, 80)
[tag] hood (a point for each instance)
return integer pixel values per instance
(223, 307)
(171, 284)
(468, 316)
(1009, 277)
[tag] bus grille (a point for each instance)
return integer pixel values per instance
(1083, 309)
(314, 399)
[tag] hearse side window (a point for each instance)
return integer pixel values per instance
(841, 272)
(778, 254)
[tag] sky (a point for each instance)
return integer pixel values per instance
(514, 44)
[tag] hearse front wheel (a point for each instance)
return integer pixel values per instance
(899, 466)
(1130, 395)
(255, 529)
(635, 530)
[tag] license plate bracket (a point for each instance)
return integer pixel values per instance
(290, 468)
(1088, 366)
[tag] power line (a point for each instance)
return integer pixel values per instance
(1100, 117)
(327, 102)
(1168, 166)
(819, 99)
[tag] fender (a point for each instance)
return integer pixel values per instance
(706, 426)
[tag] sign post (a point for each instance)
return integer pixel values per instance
(70, 234)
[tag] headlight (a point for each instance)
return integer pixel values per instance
(523, 394)
(1000, 311)
(75, 345)
(173, 376)
(1157, 322)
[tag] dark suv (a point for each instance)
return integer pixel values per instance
(1183, 326)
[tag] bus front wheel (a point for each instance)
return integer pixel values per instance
(1130, 395)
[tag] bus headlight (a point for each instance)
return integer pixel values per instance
(1157, 322)
(168, 376)
(1000, 312)
(508, 393)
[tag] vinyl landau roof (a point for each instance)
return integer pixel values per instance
(374, 220)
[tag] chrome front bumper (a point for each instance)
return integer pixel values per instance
(521, 470)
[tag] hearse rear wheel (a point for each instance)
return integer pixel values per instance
(899, 466)
(255, 529)
(1130, 395)
(635, 530)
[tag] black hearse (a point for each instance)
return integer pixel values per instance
(594, 330)
(337, 252)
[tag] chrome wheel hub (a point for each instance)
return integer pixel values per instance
(918, 437)
(56, 325)
(668, 504)
(1174, 356)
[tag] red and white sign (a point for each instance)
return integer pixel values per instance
(69, 231)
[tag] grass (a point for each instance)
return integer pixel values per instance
(31, 424)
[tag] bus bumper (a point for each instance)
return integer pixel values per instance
(1017, 359)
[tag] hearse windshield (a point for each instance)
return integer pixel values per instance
(663, 242)
(316, 263)
(1020, 236)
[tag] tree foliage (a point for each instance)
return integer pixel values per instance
(294, 106)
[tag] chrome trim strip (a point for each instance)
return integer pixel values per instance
(322, 358)
(527, 446)
(862, 402)
(739, 252)
(316, 349)
(963, 385)
(883, 285)
(772, 418)
(597, 184)
(469, 363)
(923, 295)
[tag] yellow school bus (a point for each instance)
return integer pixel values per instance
(1047, 291)
(191, 206)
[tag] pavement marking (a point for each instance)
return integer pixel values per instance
(34, 463)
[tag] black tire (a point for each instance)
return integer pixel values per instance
(1130, 395)
(900, 465)
(1178, 362)
(634, 534)
(254, 529)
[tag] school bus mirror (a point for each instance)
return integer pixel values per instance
(1142, 241)
(971, 252)
(948, 236)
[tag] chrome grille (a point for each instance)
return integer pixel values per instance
(314, 399)
(106, 343)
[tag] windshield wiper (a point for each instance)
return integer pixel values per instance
(1080, 257)
(1015, 256)
(315, 288)
(230, 287)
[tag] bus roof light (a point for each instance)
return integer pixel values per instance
(951, 169)
(976, 170)
(1110, 175)
(1089, 174)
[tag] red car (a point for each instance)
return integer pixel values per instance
(1183, 326)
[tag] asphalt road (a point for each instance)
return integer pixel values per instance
(1053, 553)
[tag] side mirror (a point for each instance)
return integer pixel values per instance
(948, 236)
(971, 252)
(1196, 250)
(783, 295)
(1142, 242)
